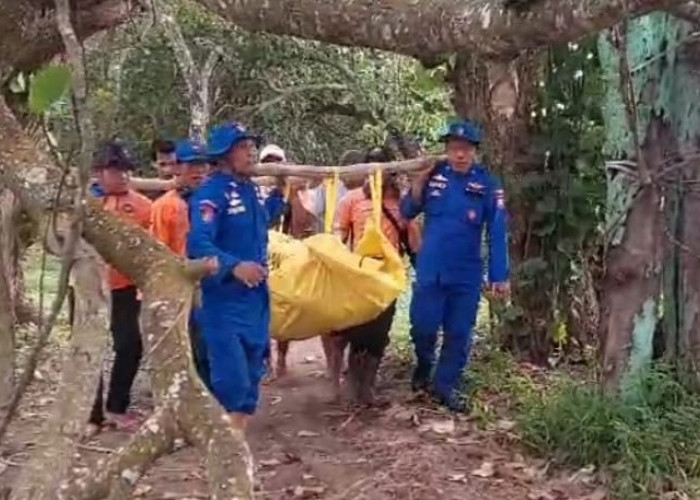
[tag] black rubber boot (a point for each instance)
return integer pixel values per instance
(370, 369)
(420, 382)
(355, 377)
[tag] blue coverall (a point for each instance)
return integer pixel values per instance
(229, 221)
(449, 270)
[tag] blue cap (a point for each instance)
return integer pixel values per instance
(465, 130)
(224, 137)
(187, 151)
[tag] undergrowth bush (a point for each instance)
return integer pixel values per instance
(648, 443)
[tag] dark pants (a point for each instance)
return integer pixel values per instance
(371, 338)
(128, 348)
(199, 351)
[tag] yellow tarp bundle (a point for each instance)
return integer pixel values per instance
(318, 285)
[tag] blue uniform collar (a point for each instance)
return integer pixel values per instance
(477, 168)
(237, 179)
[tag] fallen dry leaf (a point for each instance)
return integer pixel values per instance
(3, 467)
(401, 413)
(505, 425)
(583, 475)
(307, 477)
(457, 478)
(270, 463)
(308, 491)
(307, 434)
(142, 490)
(596, 495)
(486, 470)
(309, 360)
(441, 427)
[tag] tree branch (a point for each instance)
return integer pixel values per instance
(82, 363)
(689, 11)
(29, 36)
(433, 27)
(117, 477)
(167, 297)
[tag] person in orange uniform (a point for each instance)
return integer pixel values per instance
(170, 224)
(170, 214)
(111, 166)
(368, 341)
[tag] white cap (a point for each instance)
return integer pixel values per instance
(272, 150)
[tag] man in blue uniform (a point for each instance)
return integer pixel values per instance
(229, 220)
(459, 198)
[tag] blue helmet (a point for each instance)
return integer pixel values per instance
(187, 151)
(465, 130)
(224, 137)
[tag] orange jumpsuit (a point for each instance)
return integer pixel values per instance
(130, 206)
(170, 221)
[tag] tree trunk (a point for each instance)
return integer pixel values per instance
(183, 406)
(682, 294)
(642, 123)
(28, 33)
(432, 29)
(48, 465)
(632, 283)
(197, 78)
(9, 263)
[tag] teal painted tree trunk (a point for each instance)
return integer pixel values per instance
(651, 252)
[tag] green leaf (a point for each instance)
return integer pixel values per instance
(48, 86)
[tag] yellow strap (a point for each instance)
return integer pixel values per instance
(331, 201)
(375, 189)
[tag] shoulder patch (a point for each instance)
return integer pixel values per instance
(500, 196)
(207, 210)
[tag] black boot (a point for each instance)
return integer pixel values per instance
(370, 365)
(420, 382)
(355, 376)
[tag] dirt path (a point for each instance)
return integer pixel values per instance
(307, 447)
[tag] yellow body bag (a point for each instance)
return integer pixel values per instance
(318, 285)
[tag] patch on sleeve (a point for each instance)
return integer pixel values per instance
(500, 198)
(207, 211)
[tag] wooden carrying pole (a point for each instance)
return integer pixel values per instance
(266, 173)
(361, 169)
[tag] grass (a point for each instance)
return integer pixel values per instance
(647, 444)
(32, 267)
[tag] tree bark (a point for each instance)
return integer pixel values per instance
(28, 33)
(48, 464)
(167, 283)
(430, 29)
(8, 318)
(637, 239)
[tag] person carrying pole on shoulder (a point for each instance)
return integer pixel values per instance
(170, 224)
(111, 166)
(459, 199)
(230, 218)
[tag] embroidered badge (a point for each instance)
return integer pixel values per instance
(207, 211)
(437, 185)
(500, 198)
(236, 210)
